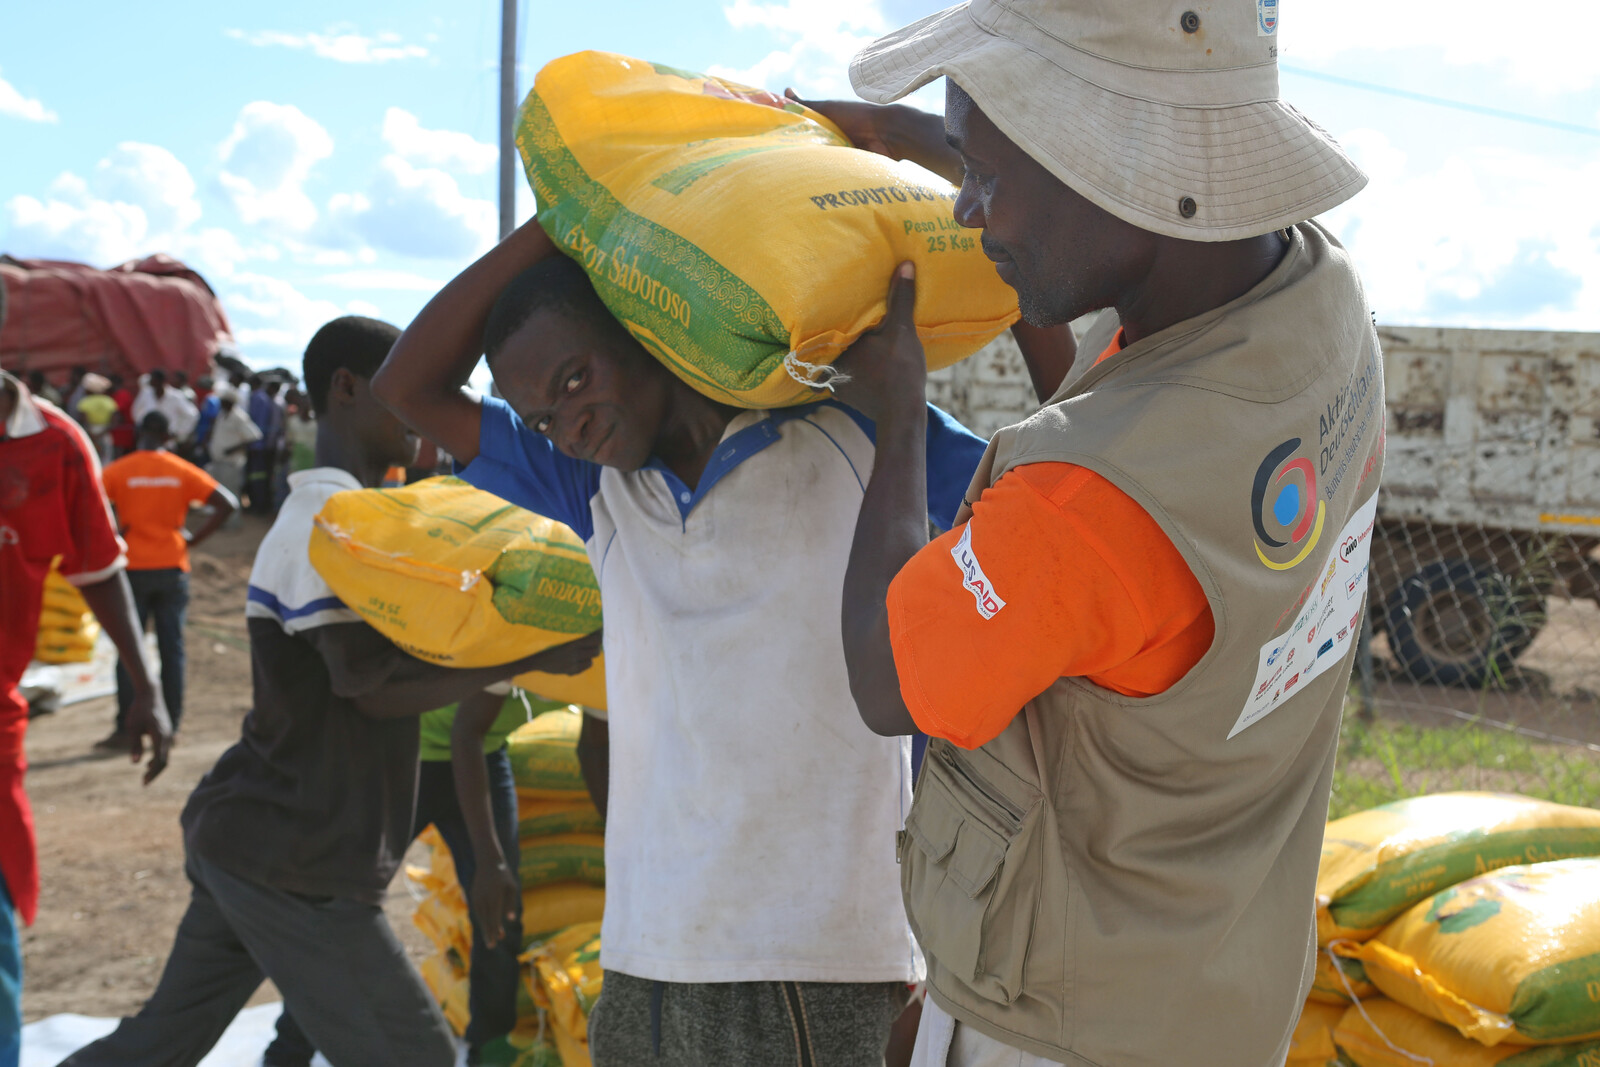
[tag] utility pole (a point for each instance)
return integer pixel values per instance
(508, 116)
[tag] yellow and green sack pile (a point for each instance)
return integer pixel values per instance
(561, 838)
(739, 236)
(67, 628)
(1378, 863)
(563, 979)
(1466, 926)
(457, 576)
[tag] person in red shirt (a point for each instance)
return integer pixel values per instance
(123, 430)
(51, 506)
(152, 491)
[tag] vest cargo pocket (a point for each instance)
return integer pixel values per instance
(971, 909)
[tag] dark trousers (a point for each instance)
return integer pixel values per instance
(638, 1022)
(162, 595)
(336, 962)
(258, 480)
(492, 995)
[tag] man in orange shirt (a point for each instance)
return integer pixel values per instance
(152, 491)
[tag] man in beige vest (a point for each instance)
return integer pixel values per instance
(1133, 649)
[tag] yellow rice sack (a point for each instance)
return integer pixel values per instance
(446, 979)
(541, 818)
(587, 689)
(1509, 957)
(568, 969)
(446, 926)
(454, 575)
(737, 235)
(1377, 863)
(1311, 1044)
(544, 757)
(563, 858)
(59, 619)
(555, 907)
(1386, 1034)
(61, 595)
(1338, 980)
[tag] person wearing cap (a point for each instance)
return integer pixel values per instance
(152, 490)
(1132, 649)
(98, 413)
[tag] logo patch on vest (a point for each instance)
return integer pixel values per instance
(972, 576)
(1276, 679)
(1284, 507)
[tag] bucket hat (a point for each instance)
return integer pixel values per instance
(1163, 112)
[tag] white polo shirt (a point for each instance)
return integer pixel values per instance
(751, 818)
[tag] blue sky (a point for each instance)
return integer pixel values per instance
(314, 159)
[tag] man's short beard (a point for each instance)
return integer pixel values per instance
(1040, 311)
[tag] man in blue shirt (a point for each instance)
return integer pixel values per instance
(261, 455)
(752, 901)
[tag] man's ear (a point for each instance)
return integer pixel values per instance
(343, 387)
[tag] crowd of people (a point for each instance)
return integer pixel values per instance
(1110, 851)
(248, 432)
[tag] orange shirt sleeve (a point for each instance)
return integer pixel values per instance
(1091, 587)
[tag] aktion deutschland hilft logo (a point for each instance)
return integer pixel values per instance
(1293, 515)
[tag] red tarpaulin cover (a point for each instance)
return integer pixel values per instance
(146, 314)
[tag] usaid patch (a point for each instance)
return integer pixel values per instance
(972, 576)
(1266, 18)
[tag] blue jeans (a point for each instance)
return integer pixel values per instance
(10, 982)
(163, 594)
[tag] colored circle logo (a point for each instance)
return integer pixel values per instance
(1284, 507)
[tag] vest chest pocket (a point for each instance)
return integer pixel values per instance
(969, 875)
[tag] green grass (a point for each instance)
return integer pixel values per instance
(1384, 761)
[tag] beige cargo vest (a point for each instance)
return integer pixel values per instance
(1129, 882)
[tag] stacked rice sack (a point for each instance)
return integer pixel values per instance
(1458, 928)
(562, 872)
(563, 980)
(67, 628)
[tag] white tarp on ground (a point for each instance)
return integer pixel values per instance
(49, 1041)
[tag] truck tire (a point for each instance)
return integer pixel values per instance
(1456, 622)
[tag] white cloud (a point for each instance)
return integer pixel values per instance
(266, 160)
(417, 211)
(273, 320)
(1485, 237)
(339, 44)
(379, 278)
(1526, 46)
(71, 223)
(14, 105)
(153, 178)
(820, 37)
(139, 199)
(447, 149)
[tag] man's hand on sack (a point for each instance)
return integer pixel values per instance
(892, 130)
(574, 657)
(885, 373)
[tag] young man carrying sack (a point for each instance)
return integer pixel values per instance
(1132, 649)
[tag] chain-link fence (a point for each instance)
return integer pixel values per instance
(1480, 666)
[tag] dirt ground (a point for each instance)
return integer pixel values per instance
(110, 849)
